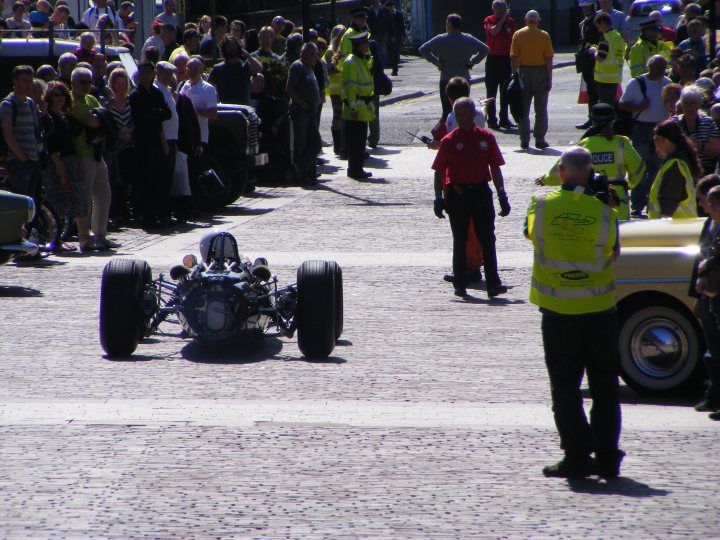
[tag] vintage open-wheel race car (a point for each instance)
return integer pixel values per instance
(220, 298)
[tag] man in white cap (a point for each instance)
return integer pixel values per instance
(668, 34)
(532, 54)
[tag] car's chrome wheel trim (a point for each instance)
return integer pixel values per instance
(659, 348)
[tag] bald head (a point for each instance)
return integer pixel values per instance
(532, 17)
(575, 166)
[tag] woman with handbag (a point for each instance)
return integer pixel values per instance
(707, 308)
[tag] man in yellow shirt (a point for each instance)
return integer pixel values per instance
(531, 54)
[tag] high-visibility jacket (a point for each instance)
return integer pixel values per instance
(687, 207)
(334, 87)
(358, 88)
(614, 158)
(610, 70)
(346, 44)
(574, 235)
(642, 50)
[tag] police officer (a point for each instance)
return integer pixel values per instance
(575, 238)
(467, 160)
(357, 26)
(608, 59)
(612, 155)
(358, 108)
(647, 45)
(590, 36)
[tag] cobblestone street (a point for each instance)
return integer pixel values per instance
(430, 420)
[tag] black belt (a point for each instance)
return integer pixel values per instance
(468, 188)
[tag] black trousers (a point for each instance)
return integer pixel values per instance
(497, 71)
(306, 143)
(444, 101)
(355, 136)
(474, 202)
(575, 345)
(394, 54)
(588, 75)
(154, 182)
(374, 127)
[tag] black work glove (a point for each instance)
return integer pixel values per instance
(504, 203)
(439, 206)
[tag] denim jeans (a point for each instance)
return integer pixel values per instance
(710, 319)
(25, 178)
(642, 140)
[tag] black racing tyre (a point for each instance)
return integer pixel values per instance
(660, 350)
(122, 319)
(339, 311)
(316, 309)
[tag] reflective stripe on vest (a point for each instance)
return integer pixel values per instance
(610, 70)
(573, 235)
(597, 266)
(687, 207)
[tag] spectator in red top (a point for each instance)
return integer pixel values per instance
(86, 52)
(668, 34)
(467, 160)
(499, 30)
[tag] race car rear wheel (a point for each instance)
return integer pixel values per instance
(660, 349)
(339, 312)
(122, 319)
(316, 309)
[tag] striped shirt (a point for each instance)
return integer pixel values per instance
(705, 129)
(25, 125)
(122, 117)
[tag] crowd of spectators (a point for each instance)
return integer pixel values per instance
(111, 148)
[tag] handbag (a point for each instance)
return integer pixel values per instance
(383, 84)
(708, 281)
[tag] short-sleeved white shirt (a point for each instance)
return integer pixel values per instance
(203, 96)
(170, 127)
(657, 110)
(451, 124)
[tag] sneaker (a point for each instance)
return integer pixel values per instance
(707, 405)
(608, 467)
(105, 243)
(637, 214)
(714, 415)
(567, 468)
(496, 290)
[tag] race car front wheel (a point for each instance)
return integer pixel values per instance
(337, 272)
(316, 309)
(122, 320)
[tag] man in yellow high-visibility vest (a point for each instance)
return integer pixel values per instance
(575, 239)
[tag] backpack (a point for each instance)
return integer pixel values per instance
(106, 138)
(624, 120)
(38, 135)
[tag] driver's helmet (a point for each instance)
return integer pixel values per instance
(218, 245)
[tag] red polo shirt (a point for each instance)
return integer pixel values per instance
(466, 157)
(500, 44)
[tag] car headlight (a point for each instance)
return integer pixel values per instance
(30, 209)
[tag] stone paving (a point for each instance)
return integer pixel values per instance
(430, 420)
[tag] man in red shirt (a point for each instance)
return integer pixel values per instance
(499, 30)
(467, 160)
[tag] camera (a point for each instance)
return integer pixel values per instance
(603, 189)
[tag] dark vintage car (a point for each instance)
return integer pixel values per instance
(15, 212)
(219, 299)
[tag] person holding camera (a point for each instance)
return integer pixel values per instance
(467, 160)
(576, 241)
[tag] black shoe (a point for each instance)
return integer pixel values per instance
(608, 467)
(707, 405)
(525, 146)
(372, 145)
(449, 278)
(585, 125)
(507, 124)
(541, 145)
(343, 156)
(493, 124)
(637, 214)
(714, 415)
(567, 468)
(359, 175)
(395, 73)
(460, 291)
(495, 290)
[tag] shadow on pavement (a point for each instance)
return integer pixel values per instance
(382, 151)
(361, 200)
(41, 263)
(622, 485)
(376, 163)
(240, 211)
(536, 152)
(469, 299)
(243, 351)
(629, 396)
(16, 291)
(133, 358)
